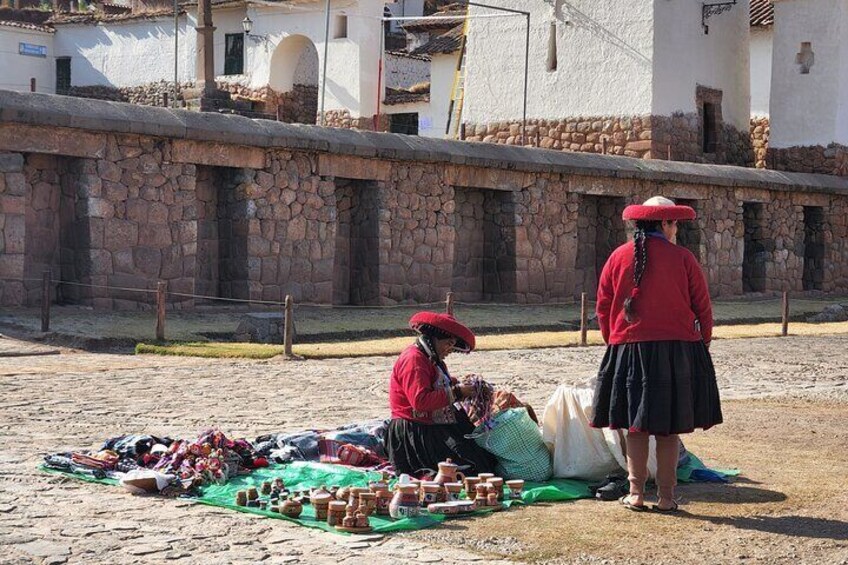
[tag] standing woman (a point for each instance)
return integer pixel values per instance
(657, 377)
(427, 427)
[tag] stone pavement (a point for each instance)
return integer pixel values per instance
(76, 400)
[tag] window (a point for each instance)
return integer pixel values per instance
(234, 54)
(805, 58)
(63, 75)
(340, 27)
(404, 123)
(710, 128)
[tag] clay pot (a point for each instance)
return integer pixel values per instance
(362, 520)
(448, 473)
(484, 477)
(367, 503)
(430, 493)
(336, 512)
(266, 487)
(241, 498)
(384, 498)
(343, 493)
(482, 492)
(321, 503)
(404, 503)
(492, 499)
(452, 490)
(497, 486)
(378, 486)
(291, 508)
(252, 493)
(471, 487)
(516, 486)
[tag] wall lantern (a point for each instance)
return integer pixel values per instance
(247, 26)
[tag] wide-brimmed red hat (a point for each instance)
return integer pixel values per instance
(658, 208)
(446, 323)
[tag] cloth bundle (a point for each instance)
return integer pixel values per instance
(515, 439)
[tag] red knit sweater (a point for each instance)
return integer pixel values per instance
(414, 389)
(673, 294)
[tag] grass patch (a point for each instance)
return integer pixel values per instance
(393, 346)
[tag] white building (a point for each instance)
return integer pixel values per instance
(762, 34)
(284, 50)
(27, 60)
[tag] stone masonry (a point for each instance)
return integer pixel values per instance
(125, 196)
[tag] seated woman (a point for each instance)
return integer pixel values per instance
(427, 427)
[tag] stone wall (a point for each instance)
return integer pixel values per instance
(342, 119)
(760, 140)
(830, 160)
(676, 138)
(223, 206)
(300, 106)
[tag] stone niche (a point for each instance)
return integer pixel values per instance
(757, 248)
(356, 268)
(814, 247)
(600, 231)
(484, 266)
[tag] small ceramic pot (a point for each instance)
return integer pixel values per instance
(492, 499)
(241, 498)
(278, 484)
(430, 493)
(482, 492)
(516, 486)
(321, 503)
(266, 487)
(252, 493)
(263, 504)
(497, 486)
(484, 477)
(336, 512)
(471, 487)
(378, 486)
(384, 498)
(405, 502)
(452, 491)
(362, 520)
(448, 473)
(367, 503)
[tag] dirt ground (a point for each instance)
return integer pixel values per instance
(786, 429)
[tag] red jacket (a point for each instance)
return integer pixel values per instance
(416, 392)
(673, 294)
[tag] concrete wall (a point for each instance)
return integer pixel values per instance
(442, 71)
(127, 53)
(277, 212)
(16, 70)
(604, 50)
(761, 54)
(809, 109)
(684, 57)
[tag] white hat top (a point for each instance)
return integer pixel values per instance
(658, 201)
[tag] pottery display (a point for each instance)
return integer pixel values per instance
(516, 486)
(448, 473)
(321, 503)
(405, 502)
(291, 508)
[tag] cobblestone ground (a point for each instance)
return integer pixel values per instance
(75, 400)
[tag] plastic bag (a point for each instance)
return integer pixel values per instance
(579, 450)
(514, 438)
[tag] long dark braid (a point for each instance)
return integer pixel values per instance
(640, 261)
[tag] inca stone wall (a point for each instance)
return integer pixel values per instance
(760, 130)
(224, 206)
(830, 160)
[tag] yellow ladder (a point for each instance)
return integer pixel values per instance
(458, 92)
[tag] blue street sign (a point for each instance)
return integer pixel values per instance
(32, 50)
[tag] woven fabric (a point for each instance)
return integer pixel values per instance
(515, 439)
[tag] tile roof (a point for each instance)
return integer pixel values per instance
(27, 26)
(446, 43)
(762, 13)
(406, 55)
(396, 96)
(446, 20)
(97, 18)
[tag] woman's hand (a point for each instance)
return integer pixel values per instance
(462, 391)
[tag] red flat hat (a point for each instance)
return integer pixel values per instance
(447, 324)
(658, 208)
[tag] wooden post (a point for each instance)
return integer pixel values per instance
(161, 289)
(32, 85)
(584, 320)
(669, 152)
(449, 304)
(604, 145)
(785, 329)
(45, 301)
(288, 327)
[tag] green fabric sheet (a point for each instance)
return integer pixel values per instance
(303, 475)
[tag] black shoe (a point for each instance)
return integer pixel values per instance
(613, 490)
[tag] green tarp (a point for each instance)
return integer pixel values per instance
(303, 475)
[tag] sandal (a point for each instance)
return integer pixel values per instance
(625, 501)
(674, 508)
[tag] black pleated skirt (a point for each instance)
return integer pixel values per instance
(659, 387)
(417, 449)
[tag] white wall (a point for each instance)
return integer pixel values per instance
(16, 70)
(685, 57)
(761, 54)
(442, 70)
(352, 67)
(809, 109)
(604, 61)
(403, 72)
(407, 8)
(127, 53)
